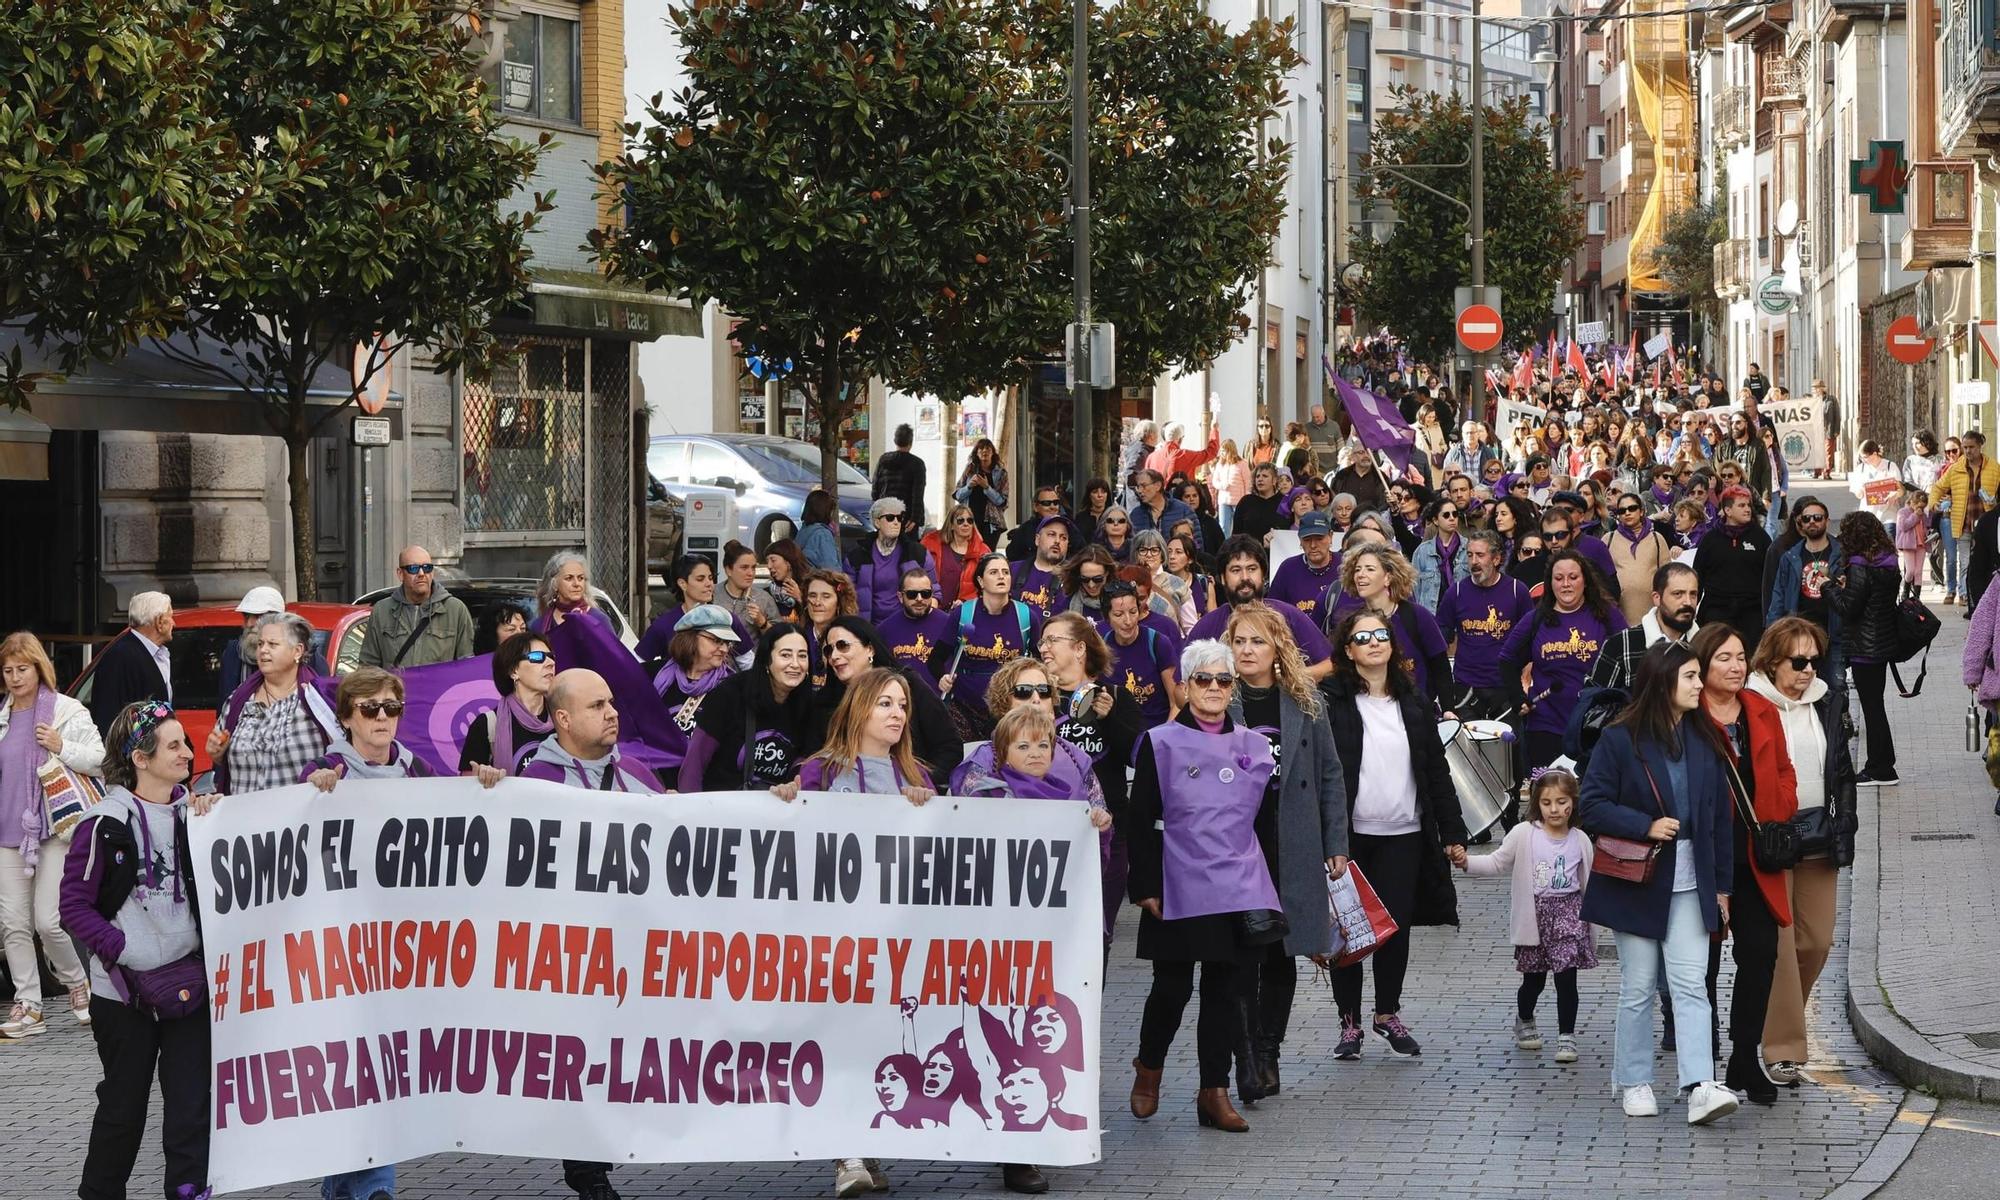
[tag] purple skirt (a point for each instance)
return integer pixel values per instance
(1567, 943)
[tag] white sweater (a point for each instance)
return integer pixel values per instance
(1805, 737)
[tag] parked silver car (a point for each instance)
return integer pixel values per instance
(770, 476)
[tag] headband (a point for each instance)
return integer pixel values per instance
(146, 717)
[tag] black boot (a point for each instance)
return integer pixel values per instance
(1746, 1075)
(1267, 1058)
(1249, 1064)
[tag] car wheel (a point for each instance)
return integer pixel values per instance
(771, 529)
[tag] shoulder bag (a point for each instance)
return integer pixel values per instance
(1774, 845)
(1624, 858)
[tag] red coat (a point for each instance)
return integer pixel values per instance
(1169, 459)
(963, 587)
(1777, 791)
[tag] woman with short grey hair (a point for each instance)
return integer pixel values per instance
(276, 721)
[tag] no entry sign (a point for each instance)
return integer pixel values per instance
(1480, 327)
(1907, 343)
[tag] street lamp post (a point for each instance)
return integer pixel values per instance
(1477, 215)
(1079, 218)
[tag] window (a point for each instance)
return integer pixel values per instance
(540, 69)
(1597, 220)
(1596, 141)
(709, 463)
(1357, 102)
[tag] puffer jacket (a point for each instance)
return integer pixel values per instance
(1866, 600)
(1957, 483)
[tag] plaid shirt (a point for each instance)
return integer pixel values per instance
(272, 744)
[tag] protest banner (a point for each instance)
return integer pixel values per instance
(1800, 435)
(408, 967)
(1511, 413)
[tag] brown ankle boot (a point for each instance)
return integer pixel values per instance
(1213, 1109)
(1145, 1091)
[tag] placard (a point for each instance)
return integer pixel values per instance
(1800, 435)
(1590, 333)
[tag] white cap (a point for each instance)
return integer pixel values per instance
(260, 600)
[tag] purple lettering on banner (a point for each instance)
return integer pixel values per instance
(508, 1046)
(284, 1099)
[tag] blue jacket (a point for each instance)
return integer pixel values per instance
(1784, 598)
(821, 547)
(1431, 579)
(1142, 518)
(1617, 800)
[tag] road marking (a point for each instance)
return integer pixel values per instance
(1965, 1126)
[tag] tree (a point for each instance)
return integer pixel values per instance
(117, 180)
(1534, 220)
(400, 235)
(847, 178)
(1685, 256)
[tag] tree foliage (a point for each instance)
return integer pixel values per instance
(117, 180)
(850, 180)
(403, 229)
(1685, 256)
(1534, 220)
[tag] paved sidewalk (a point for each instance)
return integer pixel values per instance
(1925, 991)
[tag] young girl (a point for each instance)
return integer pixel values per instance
(1912, 537)
(1550, 862)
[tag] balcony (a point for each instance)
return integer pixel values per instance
(1732, 116)
(1732, 268)
(1969, 85)
(1780, 80)
(1940, 216)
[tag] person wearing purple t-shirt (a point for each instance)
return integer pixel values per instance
(1243, 569)
(1476, 615)
(1378, 578)
(1304, 582)
(1572, 622)
(921, 636)
(1559, 531)
(992, 628)
(876, 565)
(1142, 661)
(1038, 584)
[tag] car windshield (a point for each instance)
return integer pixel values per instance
(793, 462)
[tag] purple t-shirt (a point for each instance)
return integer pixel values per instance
(1038, 589)
(1561, 654)
(1479, 620)
(992, 641)
(915, 642)
(1137, 667)
(1313, 646)
(879, 577)
(1307, 589)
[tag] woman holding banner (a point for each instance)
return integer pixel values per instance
(277, 721)
(754, 729)
(524, 670)
(1200, 878)
(853, 647)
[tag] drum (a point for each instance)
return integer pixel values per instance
(1480, 757)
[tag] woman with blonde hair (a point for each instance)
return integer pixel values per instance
(1380, 580)
(954, 549)
(1304, 841)
(38, 724)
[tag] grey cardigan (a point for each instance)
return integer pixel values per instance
(1312, 821)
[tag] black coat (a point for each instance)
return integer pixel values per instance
(125, 672)
(1866, 600)
(1258, 515)
(1437, 799)
(1985, 550)
(902, 474)
(932, 737)
(1731, 569)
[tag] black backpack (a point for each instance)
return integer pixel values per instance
(1596, 708)
(1916, 628)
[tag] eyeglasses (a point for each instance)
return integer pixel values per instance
(917, 593)
(1050, 502)
(419, 568)
(1037, 691)
(378, 708)
(1219, 680)
(1361, 637)
(1046, 642)
(538, 657)
(1802, 662)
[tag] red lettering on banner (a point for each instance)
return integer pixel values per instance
(982, 972)
(574, 960)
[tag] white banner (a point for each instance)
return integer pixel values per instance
(1513, 412)
(411, 967)
(1657, 345)
(1590, 333)
(1800, 434)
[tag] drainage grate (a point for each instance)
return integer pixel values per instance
(1985, 1041)
(1942, 837)
(1608, 951)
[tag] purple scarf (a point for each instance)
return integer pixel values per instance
(20, 773)
(511, 713)
(1048, 786)
(1635, 536)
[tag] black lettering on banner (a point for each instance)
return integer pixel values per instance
(621, 864)
(438, 852)
(775, 864)
(531, 852)
(1037, 867)
(264, 867)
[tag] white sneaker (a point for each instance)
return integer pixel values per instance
(1565, 1048)
(1639, 1101)
(79, 1004)
(850, 1177)
(1710, 1102)
(1526, 1036)
(24, 1021)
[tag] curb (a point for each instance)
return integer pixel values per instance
(1887, 1037)
(1891, 1150)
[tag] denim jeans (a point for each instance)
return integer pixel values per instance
(1225, 516)
(1686, 952)
(360, 1185)
(1960, 548)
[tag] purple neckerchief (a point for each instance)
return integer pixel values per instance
(1072, 767)
(1635, 536)
(511, 713)
(21, 760)
(1447, 551)
(819, 772)
(672, 676)
(1046, 786)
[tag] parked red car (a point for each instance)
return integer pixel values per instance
(196, 651)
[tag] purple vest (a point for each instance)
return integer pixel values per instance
(1211, 785)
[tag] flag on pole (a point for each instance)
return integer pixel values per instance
(1632, 354)
(1606, 373)
(1576, 362)
(1376, 422)
(1524, 370)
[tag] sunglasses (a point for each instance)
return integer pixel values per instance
(847, 646)
(1206, 679)
(1444, 513)
(1116, 521)
(917, 593)
(1801, 662)
(419, 568)
(1381, 637)
(1519, 485)
(961, 520)
(538, 657)
(1050, 503)
(1040, 691)
(896, 517)
(378, 708)
(1555, 535)
(1812, 518)
(1320, 491)
(1091, 580)
(1624, 509)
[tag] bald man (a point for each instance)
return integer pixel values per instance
(582, 749)
(419, 623)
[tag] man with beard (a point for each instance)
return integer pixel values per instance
(1476, 614)
(1676, 596)
(1471, 512)
(1304, 582)
(1802, 581)
(920, 635)
(1242, 582)
(1037, 584)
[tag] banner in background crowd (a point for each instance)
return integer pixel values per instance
(1511, 414)
(410, 967)
(1801, 437)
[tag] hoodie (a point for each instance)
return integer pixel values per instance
(1805, 736)
(551, 762)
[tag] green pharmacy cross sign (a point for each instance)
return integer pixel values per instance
(1883, 177)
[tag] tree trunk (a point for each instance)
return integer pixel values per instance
(832, 415)
(298, 438)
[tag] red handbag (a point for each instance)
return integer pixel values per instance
(1623, 858)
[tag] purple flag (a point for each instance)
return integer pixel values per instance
(1376, 422)
(643, 724)
(440, 702)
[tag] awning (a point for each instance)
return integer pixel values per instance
(586, 302)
